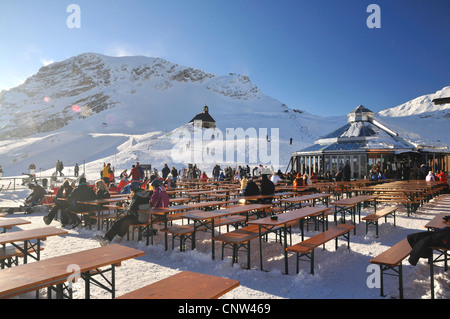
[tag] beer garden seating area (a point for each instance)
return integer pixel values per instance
(215, 211)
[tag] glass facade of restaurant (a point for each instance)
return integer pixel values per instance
(393, 165)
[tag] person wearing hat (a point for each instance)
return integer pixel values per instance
(139, 201)
(159, 197)
(61, 203)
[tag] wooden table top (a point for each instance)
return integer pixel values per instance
(24, 278)
(185, 285)
(37, 233)
(10, 222)
(290, 216)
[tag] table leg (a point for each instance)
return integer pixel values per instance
(260, 249)
(285, 250)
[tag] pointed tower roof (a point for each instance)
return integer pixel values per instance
(361, 113)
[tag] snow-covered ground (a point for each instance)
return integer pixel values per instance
(341, 274)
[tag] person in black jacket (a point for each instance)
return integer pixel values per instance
(102, 191)
(61, 203)
(82, 193)
(140, 200)
(165, 171)
(251, 188)
(267, 188)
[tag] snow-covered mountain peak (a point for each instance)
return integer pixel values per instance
(90, 86)
(422, 106)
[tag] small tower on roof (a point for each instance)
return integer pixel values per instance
(204, 119)
(360, 114)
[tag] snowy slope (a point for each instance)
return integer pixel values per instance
(422, 106)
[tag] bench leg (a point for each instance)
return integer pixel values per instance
(309, 256)
(399, 274)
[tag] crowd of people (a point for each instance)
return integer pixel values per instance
(150, 191)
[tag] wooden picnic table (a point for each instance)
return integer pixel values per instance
(185, 285)
(162, 214)
(438, 222)
(352, 205)
(57, 270)
(208, 220)
(284, 221)
(292, 201)
(8, 223)
(27, 236)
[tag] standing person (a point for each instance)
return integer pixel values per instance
(1, 171)
(216, 172)
(61, 204)
(76, 170)
(165, 171)
(346, 172)
(141, 170)
(106, 173)
(139, 200)
(82, 193)
(174, 173)
(59, 168)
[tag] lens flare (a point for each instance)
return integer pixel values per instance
(76, 108)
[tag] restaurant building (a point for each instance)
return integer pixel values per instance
(364, 143)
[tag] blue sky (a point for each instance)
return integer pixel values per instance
(314, 55)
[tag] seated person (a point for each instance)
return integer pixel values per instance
(267, 188)
(36, 196)
(61, 203)
(140, 200)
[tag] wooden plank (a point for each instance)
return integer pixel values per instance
(394, 255)
(185, 285)
(30, 234)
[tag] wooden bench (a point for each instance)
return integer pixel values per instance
(392, 259)
(31, 239)
(185, 285)
(306, 248)
(239, 238)
(10, 255)
(373, 218)
(411, 205)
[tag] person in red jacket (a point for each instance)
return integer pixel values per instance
(134, 174)
(442, 176)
